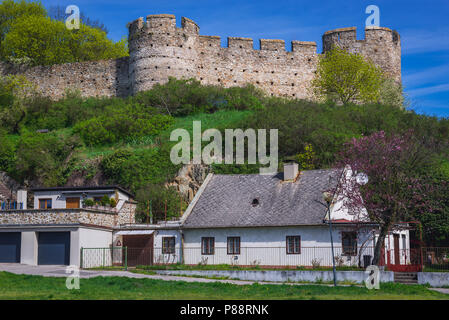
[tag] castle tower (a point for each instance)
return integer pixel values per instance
(159, 50)
(381, 45)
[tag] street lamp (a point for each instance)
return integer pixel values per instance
(361, 179)
(328, 198)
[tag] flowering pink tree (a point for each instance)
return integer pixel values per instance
(395, 191)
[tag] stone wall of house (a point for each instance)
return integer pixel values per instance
(127, 213)
(70, 216)
(159, 49)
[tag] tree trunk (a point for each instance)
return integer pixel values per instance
(380, 241)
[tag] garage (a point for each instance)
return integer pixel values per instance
(54, 248)
(10, 247)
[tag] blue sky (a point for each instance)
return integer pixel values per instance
(423, 26)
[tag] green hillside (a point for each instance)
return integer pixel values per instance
(125, 141)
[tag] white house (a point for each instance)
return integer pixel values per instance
(269, 220)
(58, 227)
(73, 197)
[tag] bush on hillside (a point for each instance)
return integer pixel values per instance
(43, 158)
(121, 126)
(184, 97)
(135, 169)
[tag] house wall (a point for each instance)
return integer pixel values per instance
(92, 238)
(159, 257)
(267, 246)
(59, 198)
(79, 238)
(29, 247)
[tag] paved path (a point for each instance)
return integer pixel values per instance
(59, 271)
(442, 290)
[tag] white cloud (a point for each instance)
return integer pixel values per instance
(422, 41)
(428, 90)
(425, 76)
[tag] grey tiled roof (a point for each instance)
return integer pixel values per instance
(227, 200)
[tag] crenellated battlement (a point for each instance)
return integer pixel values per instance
(214, 43)
(381, 45)
(158, 49)
(348, 37)
(161, 23)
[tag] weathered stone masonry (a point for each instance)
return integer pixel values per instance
(88, 217)
(159, 50)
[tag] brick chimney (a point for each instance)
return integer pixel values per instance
(290, 171)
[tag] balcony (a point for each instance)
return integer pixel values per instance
(92, 216)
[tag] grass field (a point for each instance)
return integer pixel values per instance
(36, 287)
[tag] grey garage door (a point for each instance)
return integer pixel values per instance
(54, 248)
(10, 247)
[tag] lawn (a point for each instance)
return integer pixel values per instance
(36, 287)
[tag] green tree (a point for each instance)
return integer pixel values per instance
(391, 93)
(135, 169)
(343, 77)
(157, 202)
(7, 152)
(15, 95)
(45, 42)
(306, 159)
(58, 13)
(43, 158)
(11, 10)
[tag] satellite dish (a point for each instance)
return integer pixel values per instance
(361, 178)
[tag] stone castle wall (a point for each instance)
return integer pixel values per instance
(159, 50)
(92, 78)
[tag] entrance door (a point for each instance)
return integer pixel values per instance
(72, 203)
(54, 248)
(10, 247)
(397, 256)
(140, 249)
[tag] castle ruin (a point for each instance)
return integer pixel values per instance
(158, 49)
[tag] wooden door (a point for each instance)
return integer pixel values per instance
(397, 257)
(72, 203)
(140, 249)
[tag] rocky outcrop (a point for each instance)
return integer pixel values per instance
(189, 179)
(89, 176)
(8, 187)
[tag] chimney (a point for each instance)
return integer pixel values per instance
(290, 171)
(22, 198)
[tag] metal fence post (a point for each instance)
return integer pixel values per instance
(81, 258)
(126, 258)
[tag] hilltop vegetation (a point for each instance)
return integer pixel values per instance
(28, 35)
(126, 140)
